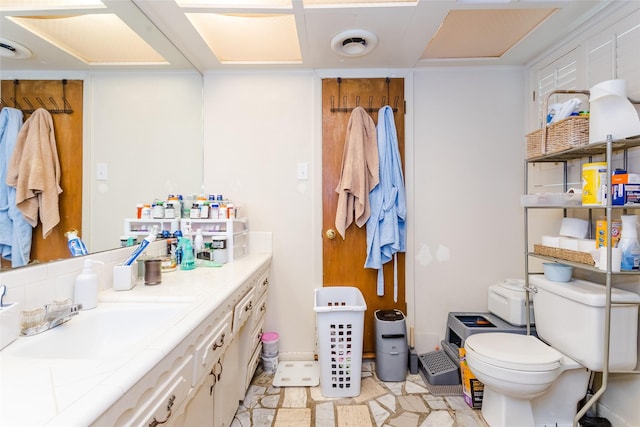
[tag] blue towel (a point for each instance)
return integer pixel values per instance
(15, 231)
(386, 228)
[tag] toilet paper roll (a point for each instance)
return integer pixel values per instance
(569, 243)
(574, 227)
(551, 241)
(586, 245)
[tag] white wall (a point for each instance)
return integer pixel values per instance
(468, 147)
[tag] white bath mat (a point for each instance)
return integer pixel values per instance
(297, 374)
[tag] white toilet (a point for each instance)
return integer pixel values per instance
(538, 382)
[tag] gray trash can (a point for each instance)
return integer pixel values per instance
(392, 350)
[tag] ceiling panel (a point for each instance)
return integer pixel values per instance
(182, 33)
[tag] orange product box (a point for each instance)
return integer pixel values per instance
(472, 388)
(625, 178)
(601, 232)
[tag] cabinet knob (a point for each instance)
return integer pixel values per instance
(331, 234)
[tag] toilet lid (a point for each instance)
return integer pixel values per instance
(513, 351)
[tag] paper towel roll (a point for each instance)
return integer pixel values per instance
(569, 243)
(608, 87)
(611, 112)
(586, 245)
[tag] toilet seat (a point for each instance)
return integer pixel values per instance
(513, 351)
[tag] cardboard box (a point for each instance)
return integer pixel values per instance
(472, 388)
(601, 232)
(625, 178)
(625, 194)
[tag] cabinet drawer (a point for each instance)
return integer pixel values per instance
(256, 336)
(211, 347)
(243, 311)
(159, 401)
(259, 311)
(262, 284)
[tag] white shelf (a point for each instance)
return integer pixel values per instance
(142, 227)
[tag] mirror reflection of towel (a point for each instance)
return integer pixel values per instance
(34, 171)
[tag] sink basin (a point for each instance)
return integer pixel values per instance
(101, 333)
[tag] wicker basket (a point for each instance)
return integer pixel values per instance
(567, 133)
(565, 254)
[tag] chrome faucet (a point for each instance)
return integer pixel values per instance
(48, 317)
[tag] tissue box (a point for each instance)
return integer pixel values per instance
(472, 388)
(625, 194)
(124, 277)
(9, 323)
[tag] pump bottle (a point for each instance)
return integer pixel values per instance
(86, 286)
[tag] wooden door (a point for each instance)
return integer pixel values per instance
(343, 260)
(67, 121)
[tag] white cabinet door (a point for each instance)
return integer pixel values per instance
(225, 396)
(199, 410)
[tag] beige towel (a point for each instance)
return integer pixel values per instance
(34, 171)
(359, 173)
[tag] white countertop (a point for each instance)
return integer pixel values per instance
(36, 391)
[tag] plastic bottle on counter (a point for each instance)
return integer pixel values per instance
(86, 286)
(169, 210)
(198, 241)
(188, 259)
(157, 209)
(146, 211)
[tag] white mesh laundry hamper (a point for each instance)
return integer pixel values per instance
(340, 327)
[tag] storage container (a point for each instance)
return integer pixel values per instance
(340, 327)
(507, 301)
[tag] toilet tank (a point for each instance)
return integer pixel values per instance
(570, 317)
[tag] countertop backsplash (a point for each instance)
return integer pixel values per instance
(40, 284)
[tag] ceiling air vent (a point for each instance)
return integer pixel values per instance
(11, 49)
(352, 43)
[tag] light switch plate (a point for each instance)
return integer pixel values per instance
(101, 172)
(303, 171)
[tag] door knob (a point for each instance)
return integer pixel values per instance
(331, 234)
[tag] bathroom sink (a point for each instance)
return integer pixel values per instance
(100, 333)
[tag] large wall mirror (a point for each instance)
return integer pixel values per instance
(142, 121)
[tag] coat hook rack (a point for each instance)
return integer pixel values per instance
(344, 108)
(65, 108)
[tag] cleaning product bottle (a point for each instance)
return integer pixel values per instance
(76, 245)
(86, 286)
(188, 260)
(629, 243)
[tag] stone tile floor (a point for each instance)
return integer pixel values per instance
(389, 404)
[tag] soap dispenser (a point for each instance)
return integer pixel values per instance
(86, 286)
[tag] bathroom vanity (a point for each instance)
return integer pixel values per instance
(179, 353)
